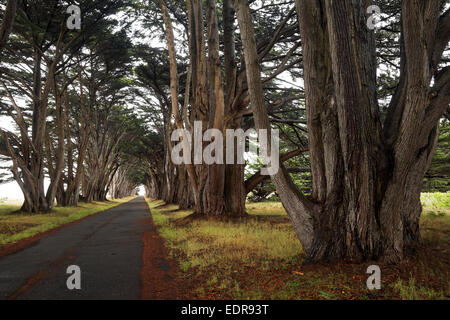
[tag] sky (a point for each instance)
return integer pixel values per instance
(9, 190)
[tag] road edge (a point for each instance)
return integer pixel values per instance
(22, 244)
(159, 274)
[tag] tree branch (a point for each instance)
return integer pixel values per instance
(8, 22)
(258, 178)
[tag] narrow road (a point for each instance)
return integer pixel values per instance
(107, 247)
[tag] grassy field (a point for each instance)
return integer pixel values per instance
(15, 226)
(259, 257)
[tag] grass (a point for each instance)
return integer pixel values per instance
(15, 226)
(259, 257)
(409, 290)
(436, 203)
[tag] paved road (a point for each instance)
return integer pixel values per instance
(107, 247)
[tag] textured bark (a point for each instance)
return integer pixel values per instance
(193, 175)
(229, 53)
(354, 81)
(297, 206)
(214, 194)
(412, 137)
(208, 106)
(234, 188)
(200, 99)
(367, 176)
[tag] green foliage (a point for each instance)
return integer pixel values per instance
(437, 178)
(409, 290)
(436, 201)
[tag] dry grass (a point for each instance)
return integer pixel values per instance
(259, 257)
(15, 226)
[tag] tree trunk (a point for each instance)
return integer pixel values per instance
(297, 206)
(214, 202)
(235, 195)
(193, 175)
(367, 177)
(7, 22)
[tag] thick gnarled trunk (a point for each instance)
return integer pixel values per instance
(208, 106)
(367, 176)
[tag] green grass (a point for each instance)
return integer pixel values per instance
(260, 257)
(15, 226)
(409, 290)
(437, 203)
(6, 209)
(242, 241)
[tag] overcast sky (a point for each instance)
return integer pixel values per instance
(9, 190)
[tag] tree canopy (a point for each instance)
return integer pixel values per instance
(362, 113)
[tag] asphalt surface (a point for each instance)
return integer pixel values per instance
(107, 247)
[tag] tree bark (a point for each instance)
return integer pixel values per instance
(214, 194)
(367, 175)
(197, 191)
(297, 206)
